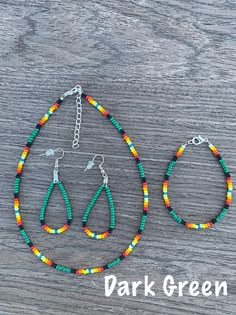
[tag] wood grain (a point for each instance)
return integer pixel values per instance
(166, 71)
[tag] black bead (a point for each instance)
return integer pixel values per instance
(30, 244)
(213, 221)
(28, 144)
(73, 270)
(122, 257)
(139, 231)
(69, 221)
(54, 265)
(21, 227)
(226, 206)
(170, 208)
(84, 224)
(59, 101)
(108, 116)
(174, 158)
(38, 126)
(18, 175)
(137, 160)
(145, 212)
(16, 195)
(110, 230)
(167, 177)
(183, 222)
(84, 95)
(105, 267)
(143, 179)
(219, 157)
(227, 175)
(42, 222)
(122, 131)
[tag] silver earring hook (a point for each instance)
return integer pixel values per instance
(104, 174)
(91, 163)
(60, 150)
(52, 152)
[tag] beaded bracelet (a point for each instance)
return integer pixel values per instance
(196, 141)
(20, 166)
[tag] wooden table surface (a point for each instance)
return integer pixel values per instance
(166, 71)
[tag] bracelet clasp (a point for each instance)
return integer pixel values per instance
(197, 140)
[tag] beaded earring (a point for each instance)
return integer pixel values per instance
(197, 141)
(49, 192)
(103, 186)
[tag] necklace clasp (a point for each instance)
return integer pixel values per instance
(74, 90)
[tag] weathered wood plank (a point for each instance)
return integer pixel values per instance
(166, 71)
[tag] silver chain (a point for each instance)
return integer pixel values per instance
(79, 110)
(77, 89)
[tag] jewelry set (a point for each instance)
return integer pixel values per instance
(103, 187)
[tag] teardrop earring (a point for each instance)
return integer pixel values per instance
(49, 192)
(103, 186)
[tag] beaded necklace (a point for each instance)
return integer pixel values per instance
(20, 167)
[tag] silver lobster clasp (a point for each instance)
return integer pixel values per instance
(197, 140)
(74, 90)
